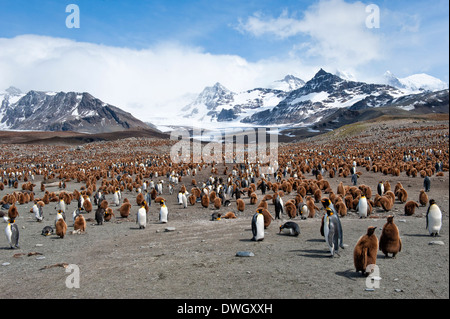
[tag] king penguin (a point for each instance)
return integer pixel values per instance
(365, 252)
(390, 241)
(38, 212)
(184, 200)
(141, 219)
(303, 210)
(163, 212)
(116, 197)
(333, 231)
(47, 231)
(60, 215)
(427, 183)
(290, 228)
(258, 226)
(362, 207)
(62, 205)
(434, 218)
(278, 207)
(380, 188)
(61, 228)
(12, 234)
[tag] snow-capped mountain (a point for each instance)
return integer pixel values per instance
(205, 105)
(323, 94)
(60, 111)
(416, 83)
(287, 84)
(218, 104)
(306, 105)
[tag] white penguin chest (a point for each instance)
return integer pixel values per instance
(434, 217)
(260, 226)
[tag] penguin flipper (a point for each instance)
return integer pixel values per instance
(254, 230)
(341, 234)
(14, 235)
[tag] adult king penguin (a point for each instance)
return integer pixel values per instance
(38, 212)
(116, 197)
(278, 207)
(184, 200)
(333, 231)
(362, 207)
(290, 228)
(427, 183)
(380, 188)
(434, 218)
(60, 215)
(258, 226)
(141, 219)
(180, 198)
(163, 212)
(12, 234)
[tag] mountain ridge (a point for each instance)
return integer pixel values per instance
(305, 105)
(63, 111)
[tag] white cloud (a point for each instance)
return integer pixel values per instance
(332, 30)
(148, 83)
(282, 27)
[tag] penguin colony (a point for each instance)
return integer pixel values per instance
(298, 190)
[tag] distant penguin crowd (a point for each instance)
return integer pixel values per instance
(294, 190)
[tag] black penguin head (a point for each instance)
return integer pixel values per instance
(329, 211)
(432, 202)
(371, 230)
(326, 202)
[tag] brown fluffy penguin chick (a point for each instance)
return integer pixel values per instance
(240, 205)
(80, 223)
(253, 198)
(192, 199)
(229, 215)
(61, 228)
(402, 195)
(386, 203)
(267, 217)
(311, 207)
(341, 208)
(217, 202)
(109, 214)
(390, 241)
(13, 212)
(139, 199)
(205, 201)
(365, 252)
(291, 209)
(87, 205)
(263, 204)
(423, 198)
(410, 207)
(125, 210)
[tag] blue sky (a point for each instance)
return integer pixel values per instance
(235, 42)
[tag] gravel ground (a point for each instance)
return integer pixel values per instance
(197, 260)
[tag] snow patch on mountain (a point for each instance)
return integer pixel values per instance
(415, 83)
(287, 84)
